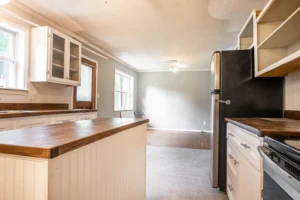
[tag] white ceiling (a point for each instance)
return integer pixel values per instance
(147, 33)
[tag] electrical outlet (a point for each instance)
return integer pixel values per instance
(32, 96)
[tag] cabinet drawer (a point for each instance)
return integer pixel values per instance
(232, 159)
(247, 143)
(31, 122)
(64, 119)
(6, 125)
(231, 187)
(87, 116)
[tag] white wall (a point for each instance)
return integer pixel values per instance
(175, 100)
(106, 78)
(56, 93)
(292, 91)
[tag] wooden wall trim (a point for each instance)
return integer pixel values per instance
(34, 106)
(292, 114)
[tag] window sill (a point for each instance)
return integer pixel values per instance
(123, 110)
(13, 91)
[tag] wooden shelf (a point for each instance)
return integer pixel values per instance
(73, 56)
(246, 35)
(58, 50)
(285, 35)
(73, 70)
(277, 10)
(283, 67)
(57, 66)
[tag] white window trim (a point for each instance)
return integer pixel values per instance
(131, 86)
(21, 55)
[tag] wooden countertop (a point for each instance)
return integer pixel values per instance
(53, 140)
(268, 126)
(29, 113)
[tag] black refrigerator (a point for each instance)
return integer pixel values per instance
(237, 93)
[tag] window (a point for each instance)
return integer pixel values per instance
(123, 91)
(12, 56)
(84, 91)
(85, 94)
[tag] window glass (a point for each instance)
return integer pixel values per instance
(118, 100)
(84, 92)
(7, 74)
(118, 82)
(6, 43)
(13, 56)
(123, 91)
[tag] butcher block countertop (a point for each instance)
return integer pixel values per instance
(268, 126)
(53, 140)
(29, 113)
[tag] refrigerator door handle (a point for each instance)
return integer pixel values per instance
(227, 102)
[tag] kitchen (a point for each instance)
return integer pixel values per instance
(92, 110)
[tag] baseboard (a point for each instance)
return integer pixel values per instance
(184, 130)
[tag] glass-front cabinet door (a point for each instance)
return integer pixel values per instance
(58, 56)
(75, 61)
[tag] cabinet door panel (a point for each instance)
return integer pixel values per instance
(64, 118)
(249, 181)
(88, 116)
(6, 125)
(31, 122)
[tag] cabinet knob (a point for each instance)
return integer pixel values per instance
(230, 134)
(245, 146)
(230, 187)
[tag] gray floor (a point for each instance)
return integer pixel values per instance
(179, 174)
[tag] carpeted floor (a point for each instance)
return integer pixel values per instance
(179, 174)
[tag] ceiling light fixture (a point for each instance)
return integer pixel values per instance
(2, 2)
(173, 66)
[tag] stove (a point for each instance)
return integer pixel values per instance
(281, 163)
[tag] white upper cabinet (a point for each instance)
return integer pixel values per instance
(55, 57)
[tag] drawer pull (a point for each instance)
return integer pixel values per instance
(236, 162)
(230, 188)
(230, 134)
(230, 156)
(245, 146)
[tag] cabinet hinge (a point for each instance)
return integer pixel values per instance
(262, 193)
(47, 72)
(49, 34)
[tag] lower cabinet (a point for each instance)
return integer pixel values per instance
(244, 166)
(42, 120)
(64, 118)
(6, 125)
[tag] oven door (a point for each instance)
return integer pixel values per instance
(278, 184)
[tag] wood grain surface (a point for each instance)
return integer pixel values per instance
(30, 113)
(34, 106)
(268, 126)
(292, 114)
(53, 140)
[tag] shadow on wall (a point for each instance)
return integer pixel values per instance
(175, 101)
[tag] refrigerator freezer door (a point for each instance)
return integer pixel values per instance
(214, 139)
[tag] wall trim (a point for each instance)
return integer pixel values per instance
(184, 130)
(179, 70)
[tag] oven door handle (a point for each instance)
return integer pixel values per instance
(281, 177)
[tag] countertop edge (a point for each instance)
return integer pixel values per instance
(41, 113)
(52, 152)
(251, 129)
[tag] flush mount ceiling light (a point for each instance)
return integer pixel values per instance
(173, 66)
(2, 2)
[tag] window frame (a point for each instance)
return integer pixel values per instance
(12, 60)
(130, 93)
(20, 60)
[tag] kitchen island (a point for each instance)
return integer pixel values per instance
(83, 160)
